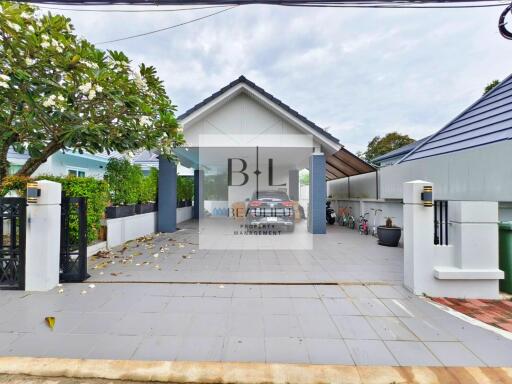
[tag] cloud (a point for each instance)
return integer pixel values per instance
(361, 72)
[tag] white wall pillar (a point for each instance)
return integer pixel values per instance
(42, 252)
(418, 238)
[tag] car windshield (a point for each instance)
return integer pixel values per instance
(271, 195)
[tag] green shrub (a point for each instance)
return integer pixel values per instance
(96, 192)
(149, 187)
(14, 183)
(185, 188)
(124, 181)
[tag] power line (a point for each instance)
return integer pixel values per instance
(167, 28)
(98, 10)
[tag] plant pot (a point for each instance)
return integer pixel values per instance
(145, 208)
(389, 236)
(118, 211)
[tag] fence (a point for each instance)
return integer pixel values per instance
(13, 211)
(441, 222)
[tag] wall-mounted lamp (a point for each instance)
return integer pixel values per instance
(426, 196)
(33, 192)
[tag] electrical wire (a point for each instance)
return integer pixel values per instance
(167, 28)
(98, 10)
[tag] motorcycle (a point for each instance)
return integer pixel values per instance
(329, 213)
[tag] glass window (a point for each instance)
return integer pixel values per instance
(76, 173)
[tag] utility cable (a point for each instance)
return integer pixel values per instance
(167, 28)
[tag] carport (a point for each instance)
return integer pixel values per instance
(247, 140)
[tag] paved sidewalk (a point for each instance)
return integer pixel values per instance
(319, 324)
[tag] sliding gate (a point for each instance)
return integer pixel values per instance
(13, 211)
(73, 239)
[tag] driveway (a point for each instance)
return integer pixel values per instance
(342, 255)
(349, 308)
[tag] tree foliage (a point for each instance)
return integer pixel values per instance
(491, 85)
(59, 91)
(380, 145)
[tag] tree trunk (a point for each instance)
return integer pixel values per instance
(4, 164)
(33, 163)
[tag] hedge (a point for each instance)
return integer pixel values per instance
(128, 185)
(96, 192)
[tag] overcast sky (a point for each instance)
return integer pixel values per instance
(358, 72)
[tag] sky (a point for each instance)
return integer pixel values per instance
(356, 72)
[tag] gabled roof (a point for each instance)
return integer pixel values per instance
(399, 152)
(488, 120)
(288, 109)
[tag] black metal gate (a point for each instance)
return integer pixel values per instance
(73, 239)
(441, 222)
(13, 213)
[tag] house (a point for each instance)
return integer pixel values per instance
(65, 163)
(241, 140)
(392, 157)
(149, 159)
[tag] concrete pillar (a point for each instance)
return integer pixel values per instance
(167, 182)
(317, 194)
(293, 184)
(198, 193)
(418, 237)
(42, 252)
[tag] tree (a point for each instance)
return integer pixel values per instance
(491, 85)
(58, 91)
(380, 145)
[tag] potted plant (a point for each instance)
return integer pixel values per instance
(124, 181)
(148, 192)
(389, 234)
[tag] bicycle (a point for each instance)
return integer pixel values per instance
(374, 228)
(363, 224)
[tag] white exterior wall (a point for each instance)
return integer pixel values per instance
(482, 173)
(360, 187)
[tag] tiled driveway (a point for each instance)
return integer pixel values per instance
(351, 323)
(340, 256)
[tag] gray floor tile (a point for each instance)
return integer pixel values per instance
(150, 304)
(354, 327)
(453, 354)
(282, 326)
(246, 325)
(208, 325)
(426, 330)
(308, 306)
(304, 291)
(286, 350)
(219, 290)
(71, 346)
(412, 353)
(399, 307)
(169, 324)
(29, 344)
(163, 348)
(318, 326)
(328, 351)
(114, 347)
(370, 352)
(244, 349)
(201, 349)
(495, 353)
(246, 305)
(134, 324)
(98, 323)
(391, 328)
(358, 291)
(277, 306)
(340, 307)
(241, 290)
(275, 291)
(330, 291)
(385, 292)
(372, 307)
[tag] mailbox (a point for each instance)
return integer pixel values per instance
(33, 192)
(426, 196)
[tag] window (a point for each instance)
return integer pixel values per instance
(76, 173)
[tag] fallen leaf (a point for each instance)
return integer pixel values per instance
(92, 286)
(61, 290)
(83, 292)
(50, 321)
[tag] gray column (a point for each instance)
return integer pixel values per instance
(198, 193)
(317, 194)
(167, 181)
(293, 184)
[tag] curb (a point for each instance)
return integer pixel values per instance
(245, 373)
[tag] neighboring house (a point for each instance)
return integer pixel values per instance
(149, 159)
(392, 157)
(65, 163)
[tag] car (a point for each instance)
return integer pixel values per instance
(271, 210)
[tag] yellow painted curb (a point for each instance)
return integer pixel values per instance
(246, 373)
